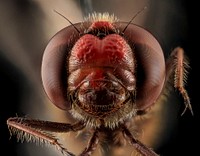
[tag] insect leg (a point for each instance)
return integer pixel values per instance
(178, 64)
(91, 145)
(140, 147)
(37, 130)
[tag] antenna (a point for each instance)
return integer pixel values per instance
(133, 18)
(67, 20)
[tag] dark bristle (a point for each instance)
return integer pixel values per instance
(67, 20)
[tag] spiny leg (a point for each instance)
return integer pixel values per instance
(140, 147)
(36, 130)
(91, 145)
(178, 64)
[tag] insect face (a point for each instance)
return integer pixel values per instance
(101, 74)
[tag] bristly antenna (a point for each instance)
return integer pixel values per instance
(67, 20)
(133, 18)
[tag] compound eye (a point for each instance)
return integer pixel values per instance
(150, 70)
(54, 70)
